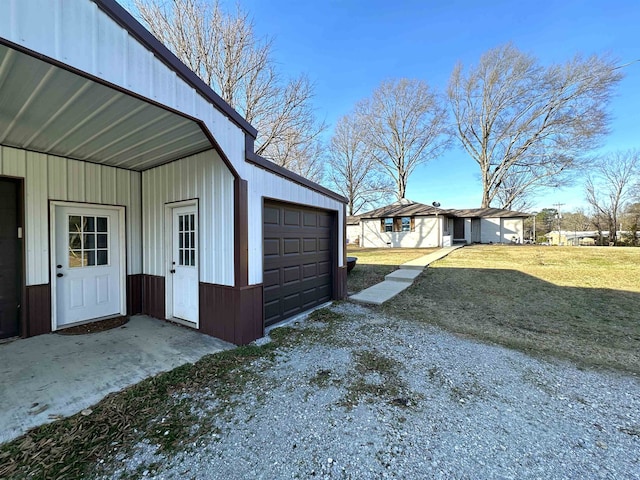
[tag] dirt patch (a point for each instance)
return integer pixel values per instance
(94, 327)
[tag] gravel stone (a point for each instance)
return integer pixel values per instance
(466, 410)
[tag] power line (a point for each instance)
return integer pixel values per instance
(626, 64)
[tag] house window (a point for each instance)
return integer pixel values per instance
(406, 224)
(388, 224)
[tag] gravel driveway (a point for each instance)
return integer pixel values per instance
(371, 397)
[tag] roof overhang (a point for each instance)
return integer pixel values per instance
(51, 108)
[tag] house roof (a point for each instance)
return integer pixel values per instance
(489, 213)
(353, 219)
(403, 208)
(408, 208)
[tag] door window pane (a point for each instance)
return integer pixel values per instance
(76, 258)
(74, 242)
(89, 241)
(89, 224)
(75, 223)
(102, 257)
(102, 240)
(101, 224)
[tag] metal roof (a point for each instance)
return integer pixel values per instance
(49, 109)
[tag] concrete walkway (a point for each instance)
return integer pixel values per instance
(52, 376)
(401, 279)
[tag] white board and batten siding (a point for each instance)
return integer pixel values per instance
(54, 28)
(204, 177)
(427, 233)
(47, 177)
(264, 184)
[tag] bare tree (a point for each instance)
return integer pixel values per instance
(223, 49)
(631, 222)
(405, 124)
(611, 184)
(353, 171)
(528, 124)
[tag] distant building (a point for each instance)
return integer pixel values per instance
(410, 224)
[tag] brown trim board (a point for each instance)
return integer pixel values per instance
(153, 296)
(38, 309)
(241, 233)
(134, 292)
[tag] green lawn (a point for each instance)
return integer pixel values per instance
(576, 303)
(374, 263)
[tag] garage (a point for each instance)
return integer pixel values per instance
(298, 259)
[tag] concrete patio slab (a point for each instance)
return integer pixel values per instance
(49, 376)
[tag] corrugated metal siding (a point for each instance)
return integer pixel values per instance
(264, 184)
(54, 178)
(79, 34)
(205, 177)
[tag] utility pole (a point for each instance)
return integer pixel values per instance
(559, 216)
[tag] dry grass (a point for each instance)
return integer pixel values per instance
(580, 304)
(374, 263)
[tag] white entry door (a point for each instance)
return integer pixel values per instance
(87, 273)
(184, 265)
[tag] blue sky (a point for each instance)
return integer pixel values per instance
(348, 47)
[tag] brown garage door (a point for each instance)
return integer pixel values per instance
(298, 259)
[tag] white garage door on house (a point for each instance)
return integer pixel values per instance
(298, 259)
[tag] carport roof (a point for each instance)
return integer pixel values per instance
(50, 109)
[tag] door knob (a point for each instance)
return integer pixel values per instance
(58, 266)
(59, 275)
(172, 271)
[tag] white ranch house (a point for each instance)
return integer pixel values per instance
(414, 225)
(128, 186)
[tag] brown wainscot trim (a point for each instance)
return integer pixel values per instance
(38, 310)
(153, 296)
(233, 314)
(134, 293)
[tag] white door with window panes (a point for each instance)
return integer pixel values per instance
(184, 265)
(87, 271)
